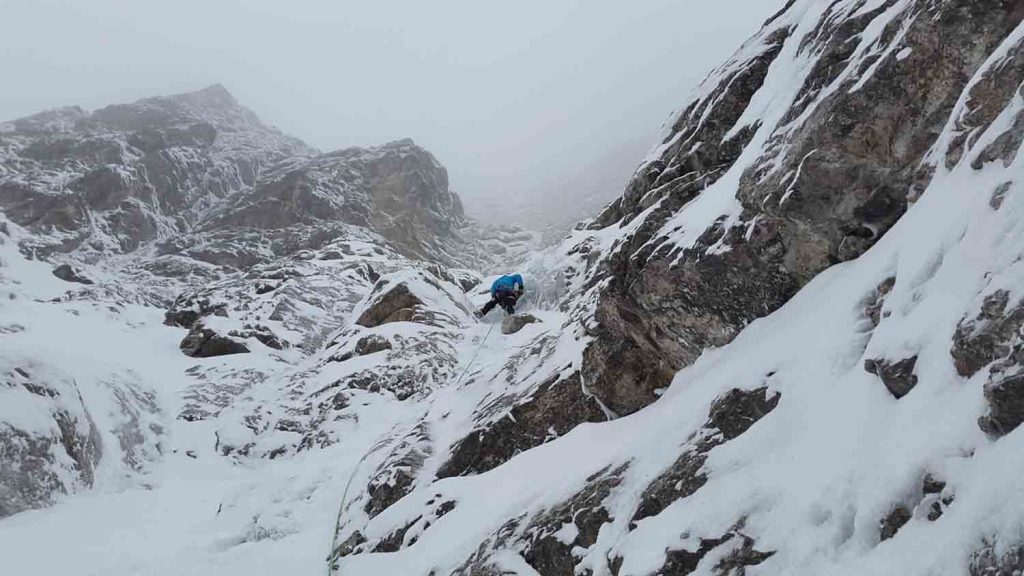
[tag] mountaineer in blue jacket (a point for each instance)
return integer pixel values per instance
(504, 292)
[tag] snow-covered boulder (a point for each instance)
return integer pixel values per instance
(516, 322)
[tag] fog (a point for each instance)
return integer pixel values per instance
(539, 110)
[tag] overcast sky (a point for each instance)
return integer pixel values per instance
(522, 101)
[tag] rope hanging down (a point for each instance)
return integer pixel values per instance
(477, 353)
(332, 556)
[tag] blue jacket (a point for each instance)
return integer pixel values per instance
(507, 283)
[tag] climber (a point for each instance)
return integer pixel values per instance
(505, 291)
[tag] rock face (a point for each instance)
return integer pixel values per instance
(201, 175)
(816, 181)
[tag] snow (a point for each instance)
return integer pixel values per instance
(811, 480)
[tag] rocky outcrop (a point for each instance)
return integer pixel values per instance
(897, 376)
(818, 184)
(992, 561)
(730, 415)
(993, 339)
(397, 304)
(130, 173)
(68, 274)
(36, 467)
(196, 171)
(203, 342)
(557, 407)
(420, 297)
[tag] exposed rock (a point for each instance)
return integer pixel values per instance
(203, 342)
(35, 468)
(730, 415)
(990, 561)
(932, 485)
(185, 312)
(1005, 398)
(550, 542)
(831, 180)
(892, 523)
(584, 513)
(873, 305)
(556, 408)
(897, 376)
(397, 304)
(372, 344)
(988, 336)
(734, 563)
(682, 479)
(516, 322)
(266, 287)
(737, 410)
(264, 334)
(395, 476)
(993, 338)
(999, 194)
(68, 274)
(350, 545)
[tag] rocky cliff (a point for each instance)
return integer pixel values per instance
(793, 345)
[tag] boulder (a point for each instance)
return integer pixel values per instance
(516, 322)
(396, 305)
(898, 376)
(203, 342)
(1005, 397)
(69, 274)
(371, 344)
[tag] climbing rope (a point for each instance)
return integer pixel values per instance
(475, 354)
(332, 557)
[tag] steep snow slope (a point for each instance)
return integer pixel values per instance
(888, 385)
(792, 346)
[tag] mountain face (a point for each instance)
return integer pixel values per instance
(189, 205)
(793, 345)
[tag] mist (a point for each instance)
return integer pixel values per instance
(539, 110)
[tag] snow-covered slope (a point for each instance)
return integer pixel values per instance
(792, 346)
(187, 209)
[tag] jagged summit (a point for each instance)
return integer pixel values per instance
(178, 169)
(213, 105)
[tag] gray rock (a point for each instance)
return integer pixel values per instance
(516, 322)
(1005, 397)
(898, 376)
(997, 561)
(371, 344)
(397, 304)
(203, 342)
(857, 153)
(893, 521)
(69, 274)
